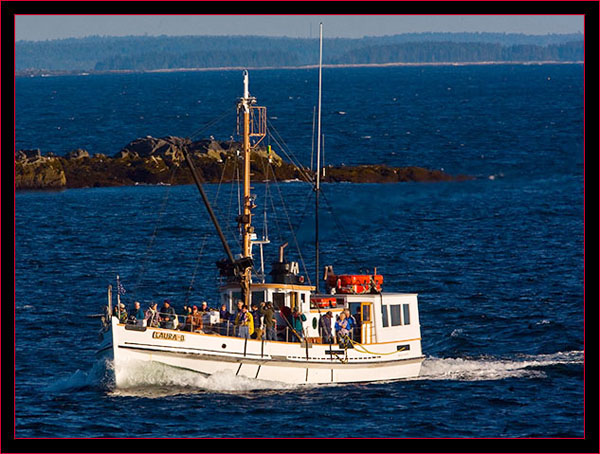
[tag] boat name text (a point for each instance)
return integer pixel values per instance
(168, 336)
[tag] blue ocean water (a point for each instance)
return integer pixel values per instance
(497, 261)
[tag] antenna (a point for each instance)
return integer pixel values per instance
(318, 169)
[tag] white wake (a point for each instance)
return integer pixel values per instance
(152, 379)
(489, 368)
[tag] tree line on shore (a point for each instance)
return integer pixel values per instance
(168, 52)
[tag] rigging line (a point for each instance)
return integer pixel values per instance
(279, 140)
(282, 146)
(189, 291)
(304, 210)
(207, 234)
(155, 231)
(213, 121)
(340, 227)
(312, 148)
(269, 197)
(291, 228)
(233, 157)
(223, 173)
(308, 178)
(235, 171)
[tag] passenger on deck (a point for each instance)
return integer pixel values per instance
(325, 328)
(122, 313)
(351, 323)
(268, 313)
(244, 323)
(286, 315)
(196, 320)
(204, 307)
(297, 319)
(167, 316)
(137, 317)
(224, 320)
(341, 328)
(187, 326)
(257, 322)
(152, 317)
(234, 316)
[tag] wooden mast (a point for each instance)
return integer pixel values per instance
(247, 206)
(254, 119)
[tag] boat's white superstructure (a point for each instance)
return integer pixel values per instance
(385, 344)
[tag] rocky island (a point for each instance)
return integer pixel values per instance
(152, 160)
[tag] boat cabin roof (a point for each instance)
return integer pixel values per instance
(270, 285)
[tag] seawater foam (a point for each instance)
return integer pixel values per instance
(99, 376)
(136, 374)
(486, 368)
(153, 379)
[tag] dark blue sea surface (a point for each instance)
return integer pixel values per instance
(497, 261)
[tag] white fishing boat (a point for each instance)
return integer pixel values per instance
(384, 344)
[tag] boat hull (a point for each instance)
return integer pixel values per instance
(292, 363)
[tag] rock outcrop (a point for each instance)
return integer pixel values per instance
(152, 160)
(34, 171)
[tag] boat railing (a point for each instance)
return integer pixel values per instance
(222, 327)
(186, 323)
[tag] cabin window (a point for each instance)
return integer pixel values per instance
(366, 313)
(258, 297)
(235, 297)
(384, 316)
(395, 314)
(406, 314)
(278, 300)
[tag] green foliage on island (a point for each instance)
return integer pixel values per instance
(140, 53)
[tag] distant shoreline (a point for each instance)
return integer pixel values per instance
(42, 73)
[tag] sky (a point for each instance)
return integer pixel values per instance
(43, 27)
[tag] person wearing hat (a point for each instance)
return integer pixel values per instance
(234, 316)
(266, 310)
(196, 319)
(122, 313)
(297, 319)
(167, 316)
(187, 325)
(224, 320)
(325, 328)
(204, 307)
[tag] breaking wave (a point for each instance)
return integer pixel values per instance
(99, 376)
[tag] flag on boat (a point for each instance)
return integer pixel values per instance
(120, 288)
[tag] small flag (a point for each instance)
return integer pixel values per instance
(120, 288)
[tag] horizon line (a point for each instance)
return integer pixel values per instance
(146, 35)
